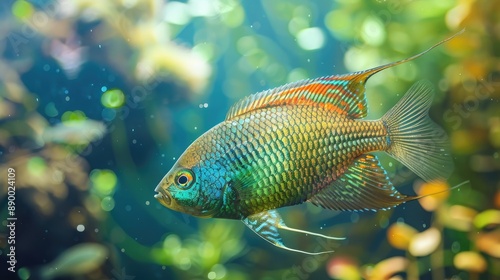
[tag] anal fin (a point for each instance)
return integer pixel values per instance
(266, 225)
(364, 186)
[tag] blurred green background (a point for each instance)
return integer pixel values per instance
(98, 98)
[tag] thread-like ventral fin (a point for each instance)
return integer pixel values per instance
(266, 225)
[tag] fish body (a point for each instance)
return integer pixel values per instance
(305, 142)
(280, 156)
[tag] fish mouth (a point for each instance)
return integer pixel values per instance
(163, 196)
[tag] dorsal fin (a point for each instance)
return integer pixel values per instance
(344, 94)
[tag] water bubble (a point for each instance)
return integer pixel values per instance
(80, 228)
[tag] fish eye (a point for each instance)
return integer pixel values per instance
(184, 179)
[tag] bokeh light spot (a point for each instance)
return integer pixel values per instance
(176, 13)
(108, 114)
(399, 235)
(113, 98)
(103, 181)
(338, 22)
(172, 244)
(219, 270)
(470, 261)
(424, 243)
(311, 38)
(24, 273)
(73, 116)
(234, 18)
(485, 218)
(246, 44)
(80, 228)
(108, 203)
(205, 50)
(37, 166)
(297, 24)
(22, 9)
(373, 31)
(51, 110)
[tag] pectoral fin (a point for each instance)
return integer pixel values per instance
(266, 225)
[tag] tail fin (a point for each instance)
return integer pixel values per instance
(415, 140)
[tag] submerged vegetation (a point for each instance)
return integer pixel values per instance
(98, 98)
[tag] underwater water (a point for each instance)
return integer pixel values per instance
(98, 99)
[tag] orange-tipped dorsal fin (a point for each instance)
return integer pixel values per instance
(343, 94)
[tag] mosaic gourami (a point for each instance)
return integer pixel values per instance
(306, 142)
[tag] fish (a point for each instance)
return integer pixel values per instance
(306, 141)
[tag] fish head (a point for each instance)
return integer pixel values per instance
(190, 187)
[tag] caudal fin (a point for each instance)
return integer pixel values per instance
(415, 140)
